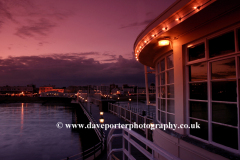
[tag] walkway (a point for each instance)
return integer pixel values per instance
(109, 118)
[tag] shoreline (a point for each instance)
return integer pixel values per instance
(43, 100)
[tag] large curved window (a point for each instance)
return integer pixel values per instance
(165, 85)
(213, 89)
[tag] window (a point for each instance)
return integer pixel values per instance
(165, 78)
(213, 96)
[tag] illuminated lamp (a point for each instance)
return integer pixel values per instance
(101, 120)
(163, 42)
(178, 19)
(198, 7)
(164, 29)
(101, 113)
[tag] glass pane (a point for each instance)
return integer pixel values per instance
(163, 104)
(221, 45)
(170, 77)
(196, 52)
(162, 92)
(225, 113)
(198, 91)
(162, 65)
(158, 67)
(162, 78)
(170, 91)
(226, 136)
(170, 118)
(238, 34)
(198, 72)
(201, 132)
(163, 117)
(224, 69)
(159, 92)
(159, 103)
(224, 91)
(170, 106)
(199, 110)
(159, 115)
(170, 61)
(159, 79)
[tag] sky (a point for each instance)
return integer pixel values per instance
(73, 42)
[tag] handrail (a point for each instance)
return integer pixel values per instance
(148, 113)
(97, 146)
(130, 140)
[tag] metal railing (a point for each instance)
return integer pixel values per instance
(97, 149)
(129, 115)
(132, 138)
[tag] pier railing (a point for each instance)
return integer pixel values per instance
(129, 115)
(134, 146)
(97, 149)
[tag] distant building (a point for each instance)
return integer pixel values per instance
(105, 90)
(58, 94)
(49, 88)
(127, 89)
(16, 89)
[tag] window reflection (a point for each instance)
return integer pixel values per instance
(170, 61)
(162, 92)
(170, 118)
(163, 117)
(202, 132)
(238, 35)
(198, 72)
(163, 104)
(162, 64)
(170, 91)
(198, 91)
(196, 52)
(225, 135)
(170, 106)
(199, 110)
(221, 45)
(162, 78)
(224, 69)
(224, 91)
(170, 76)
(225, 113)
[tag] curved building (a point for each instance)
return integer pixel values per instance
(194, 48)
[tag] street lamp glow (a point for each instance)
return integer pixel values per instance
(101, 120)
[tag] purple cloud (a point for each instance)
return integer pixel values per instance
(69, 69)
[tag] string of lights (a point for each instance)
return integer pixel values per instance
(165, 26)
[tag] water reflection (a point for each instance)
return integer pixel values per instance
(28, 131)
(22, 117)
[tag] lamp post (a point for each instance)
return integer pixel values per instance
(118, 100)
(86, 102)
(130, 102)
(101, 120)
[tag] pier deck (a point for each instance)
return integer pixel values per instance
(109, 118)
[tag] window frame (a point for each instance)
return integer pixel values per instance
(159, 85)
(209, 81)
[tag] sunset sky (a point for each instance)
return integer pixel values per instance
(73, 42)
